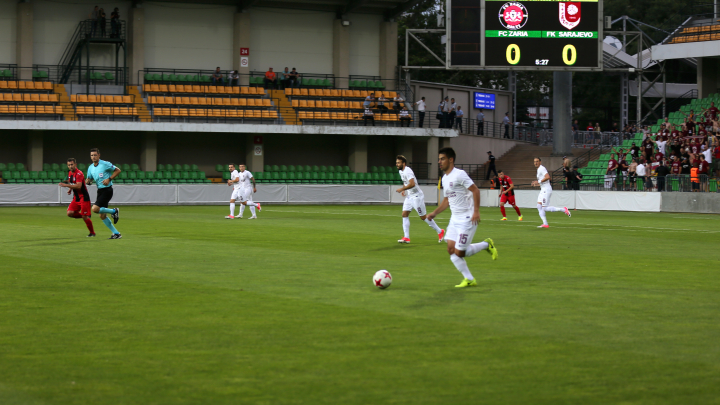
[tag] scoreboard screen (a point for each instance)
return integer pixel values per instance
(529, 35)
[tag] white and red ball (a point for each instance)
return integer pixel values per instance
(382, 279)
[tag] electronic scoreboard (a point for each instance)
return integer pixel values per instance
(525, 35)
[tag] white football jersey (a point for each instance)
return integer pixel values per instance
(234, 175)
(406, 175)
(541, 172)
(455, 188)
(245, 179)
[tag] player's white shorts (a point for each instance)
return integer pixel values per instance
(236, 194)
(416, 203)
(461, 230)
(246, 195)
(544, 197)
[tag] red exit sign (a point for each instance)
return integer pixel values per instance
(244, 51)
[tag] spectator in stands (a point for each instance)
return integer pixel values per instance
(575, 129)
(369, 100)
(703, 170)
(115, 23)
(217, 76)
(380, 103)
(480, 117)
(270, 78)
(234, 78)
(101, 22)
(452, 113)
(439, 115)
(641, 172)
(661, 172)
(622, 172)
(491, 165)
(293, 76)
(647, 149)
(458, 118)
(632, 173)
(506, 123)
(446, 113)
(566, 173)
(94, 15)
(285, 78)
(369, 116)
(405, 117)
(634, 151)
(590, 127)
(575, 178)
(695, 178)
(611, 172)
(421, 111)
(397, 103)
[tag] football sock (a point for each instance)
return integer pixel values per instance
(232, 209)
(433, 225)
(89, 225)
(502, 211)
(541, 211)
(104, 210)
(476, 247)
(517, 209)
(242, 209)
(406, 227)
(461, 265)
(77, 215)
(554, 209)
(109, 224)
(252, 210)
(251, 204)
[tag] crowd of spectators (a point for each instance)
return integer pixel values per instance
(690, 151)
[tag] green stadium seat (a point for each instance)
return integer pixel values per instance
(11, 166)
(346, 169)
(315, 169)
(203, 178)
(275, 168)
(46, 166)
(268, 168)
(20, 167)
(352, 178)
(283, 168)
(345, 178)
(330, 177)
(322, 178)
(82, 166)
(291, 178)
(331, 169)
(373, 169)
(314, 177)
(291, 168)
(140, 177)
(161, 168)
(134, 167)
(132, 176)
(258, 177)
(323, 169)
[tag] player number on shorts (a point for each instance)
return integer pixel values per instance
(569, 55)
(512, 53)
(463, 239)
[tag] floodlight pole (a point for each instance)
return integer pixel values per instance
(562, 114)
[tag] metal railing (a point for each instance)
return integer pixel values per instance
(475, 171)
(421, 170)
(89, 31)
(615, 182)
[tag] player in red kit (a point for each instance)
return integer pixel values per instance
(507, 195)
(80, 207)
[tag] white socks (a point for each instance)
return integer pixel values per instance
(232, 209)
(406, 227)
(541, 211)
(476, 247)
(251, 204)
(242, 209)
(433, 225)
(252, 209)
(461, 265)
(554, 209)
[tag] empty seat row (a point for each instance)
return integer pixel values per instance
(320, 115)
(12, 166)
(704, 28)
(165, 77)
(353, 105)
(29, 98)
(696, 38)
(130, 111)
(327, 178)
(308, 168)
(41, 177)
(236, 102)
(23, 85)
(100, 99)
(173, 177)
(30, 109)
(335, 93)
(214, 113)
(171, 88)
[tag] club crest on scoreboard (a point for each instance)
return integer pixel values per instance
(513, 15)
(569, 14)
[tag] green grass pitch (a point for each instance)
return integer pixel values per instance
(189, 308)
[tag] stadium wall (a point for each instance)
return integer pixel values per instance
(8, 34)
(464, 95)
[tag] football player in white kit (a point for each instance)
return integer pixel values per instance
(543, 202)
(238, 191)
(248, 188)
(414, 199)
(463, 198)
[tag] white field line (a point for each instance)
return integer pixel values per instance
(607, 227)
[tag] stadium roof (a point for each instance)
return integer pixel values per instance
(390, 9)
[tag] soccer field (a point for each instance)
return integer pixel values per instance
(189, 308)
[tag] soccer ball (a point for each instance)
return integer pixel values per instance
(382, 279)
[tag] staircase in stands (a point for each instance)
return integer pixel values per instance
(142, 109)
(284, 107)
(68, 110)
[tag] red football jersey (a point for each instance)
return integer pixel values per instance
(676, 167)
(505, 184)
(75, 178)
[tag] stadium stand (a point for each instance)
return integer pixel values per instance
(16, 173)
(21, 99)
(696, 34)
(292, 174)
